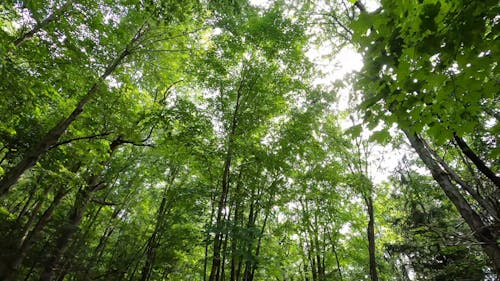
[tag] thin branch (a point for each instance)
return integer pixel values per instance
(360, 6)
(79, 138)
(103, 202)
(167, 90)
(163, 50)
(40, 25)
(481, 166)
(134, 143)
(453, 176)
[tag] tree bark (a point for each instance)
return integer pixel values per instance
(483, 203)
(481, 166)
(27, 242)
(483, 233)
(67, 231)
(371, 238)
(216, 259)
(207, 237)
(154, 240)
(236, 257)
(259, 243)
(336, 255)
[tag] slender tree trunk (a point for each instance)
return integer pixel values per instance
(207, 242)
(39, 256)
(371, 238)
(317, 247)
(33, 215)
(483, 203)
(99, 250)
(216, 259)
(336, 257)
(481, 232)
(28, 241)
(151, 248)
(259, 244)
(35, 208)
(224, 255)
(234, 242)
(67, 232)
(252, 218)
(154, 240)
(481, 166)
(252, 214)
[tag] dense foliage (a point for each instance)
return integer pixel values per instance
(191, 140)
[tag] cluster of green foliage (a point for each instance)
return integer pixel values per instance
(189, 140)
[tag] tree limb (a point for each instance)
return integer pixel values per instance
(79, 138)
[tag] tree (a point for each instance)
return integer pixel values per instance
(164, 140)
(133, 29)
(417, 74)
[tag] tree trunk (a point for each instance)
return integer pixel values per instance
(154, 240)
(33, 215)
(235, 257)
(259, 243)
(484, 235)
(35, 208)
(371, 238)
(28, 241)
(481, 166)
(336, 257)
(216, 259)
(67, 232)
(207, 237)
(252, 217)
(483, 203)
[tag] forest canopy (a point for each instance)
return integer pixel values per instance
(207, 140)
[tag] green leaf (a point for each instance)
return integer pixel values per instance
(354, 131)
(382, 136)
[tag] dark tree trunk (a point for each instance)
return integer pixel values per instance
(371, 238)
(207, 237)
(481, 166)
(216, 259)
(28, 241)
(259, 243)
(35, 208)
(336, 258)
(235, 257)
(154, 240)
(483, 233)
(33, 215)
(486, 206)
(67, 232)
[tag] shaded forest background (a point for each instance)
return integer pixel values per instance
(191, 140)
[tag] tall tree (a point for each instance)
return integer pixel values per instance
(432, 79)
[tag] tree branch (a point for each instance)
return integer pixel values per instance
(481, 166)
(77, 139)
